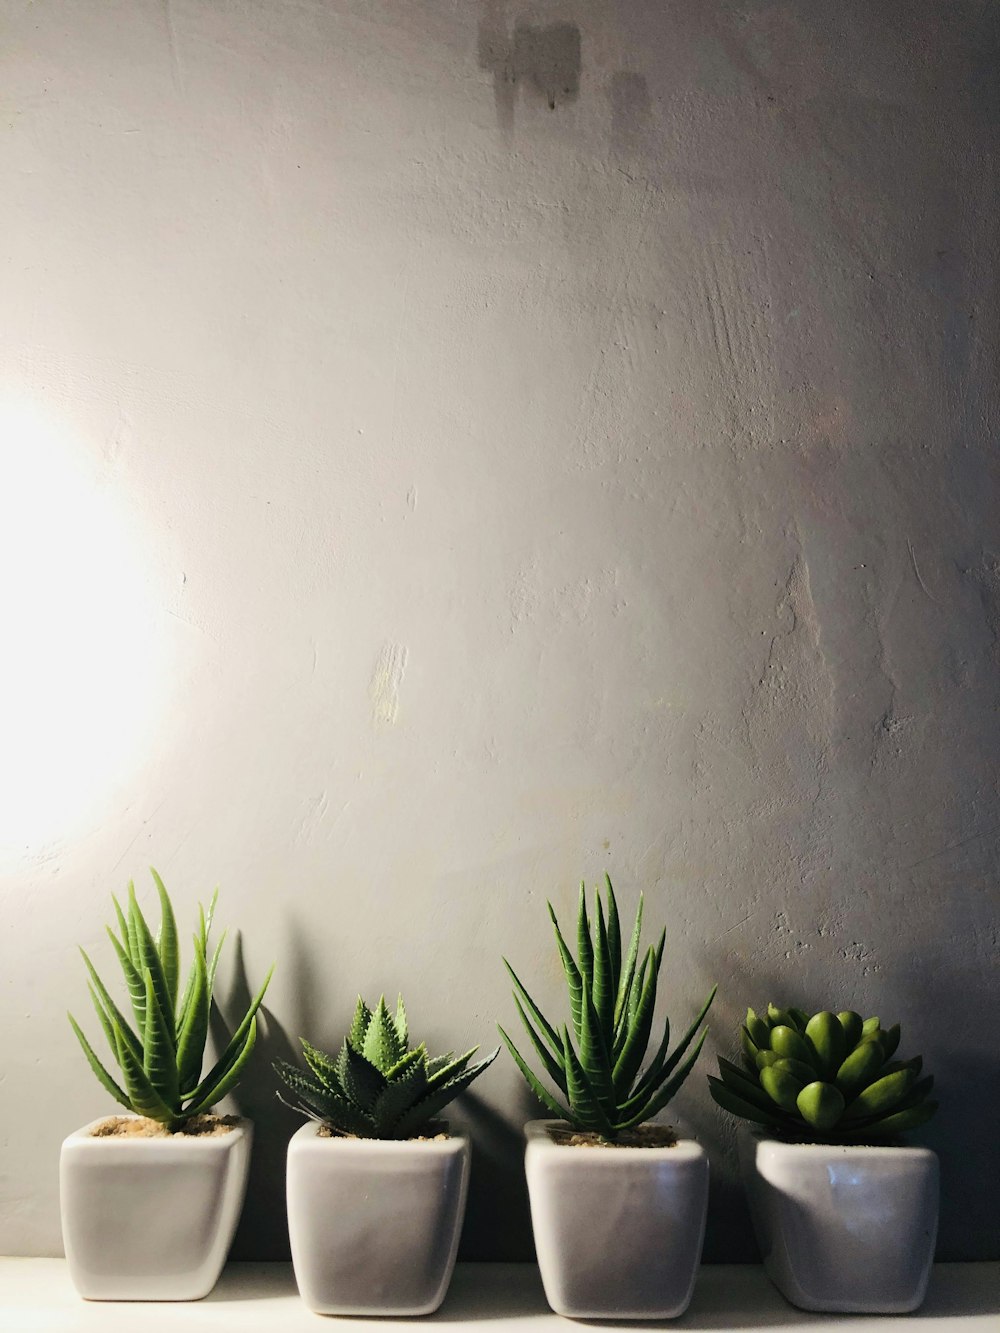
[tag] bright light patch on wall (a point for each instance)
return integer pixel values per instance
(79, 670)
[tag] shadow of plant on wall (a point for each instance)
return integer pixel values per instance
(543, 60)
(262, 1232)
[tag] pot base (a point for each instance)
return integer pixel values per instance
(618, 1231)
(844, 1229)
(374, 1223)
(151, 1219)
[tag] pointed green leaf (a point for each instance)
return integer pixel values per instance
(652, 1074)
(583, 1102)
(603, 988)
(584, 945)
(359, 1025)
(166, 944)
(742, 1085)
(159, 1059)
(399, 1022)
(122, 923)
(215, 1092)
(732, 1102)
(574, 978)
(325, 1068)
(627, 977)
(193, 1033)
(133, 937)
(382, 1046)
(213, 966)
(542, 1093)
(135, 983)
(614, 940)
(398, 1097)
(149, 958)
(235, 1047)
(594, 1058)
(552, 1066)
(897, 1122)
(637, 1039)
(542, 1023)
(102, 1074)
(363, 1083)
(685, 1041)
(142, 1096)
(114, 1013)
(437, 1099)
(669, 1089)
(452, 1069)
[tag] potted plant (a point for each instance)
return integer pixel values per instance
(150, 1200)
(376, 1184)
(617, 1204)
(845, 1215)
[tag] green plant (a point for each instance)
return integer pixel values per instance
(611, 1008)
(826, 1078)
(161, 1057)
(377, 1087)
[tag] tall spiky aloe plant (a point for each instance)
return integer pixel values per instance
(378, 1087)
(161, 1057)
(597, 1070)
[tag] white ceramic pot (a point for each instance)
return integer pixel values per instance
(846, 1229)
(151, 1219)
(618, 1231)
(374, 1223)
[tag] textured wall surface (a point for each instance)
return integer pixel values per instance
(452, 448)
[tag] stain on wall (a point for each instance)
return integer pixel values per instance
(383, 689)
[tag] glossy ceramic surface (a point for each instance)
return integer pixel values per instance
(845, 1229)
(374, 1224)
(151, 1219)
(618, 1231)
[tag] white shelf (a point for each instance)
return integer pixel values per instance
(36, 1296)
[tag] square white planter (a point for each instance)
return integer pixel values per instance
(618, 1231)
(151, 1219)
(848, 1229)
(374, 1224)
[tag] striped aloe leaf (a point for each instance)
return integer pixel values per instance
(161, 1052)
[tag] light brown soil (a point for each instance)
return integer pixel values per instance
(328, 1132)
(643, 1136)
(138, 1127)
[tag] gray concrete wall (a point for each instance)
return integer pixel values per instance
(450, 449)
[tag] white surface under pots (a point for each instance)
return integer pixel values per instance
(848, 1229)
(151, 1219)
(618, 1231)
(374, 1224)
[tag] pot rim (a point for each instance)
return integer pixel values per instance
(810, 1149)
(309, 1132)
(182, 1142)
(684, 1147)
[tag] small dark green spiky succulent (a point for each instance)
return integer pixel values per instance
(377, 1087)
(829, 1078)
(612, 1014)
(161, 1058)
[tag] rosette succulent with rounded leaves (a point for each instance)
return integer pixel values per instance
(827, 1078)
(377, 1087)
